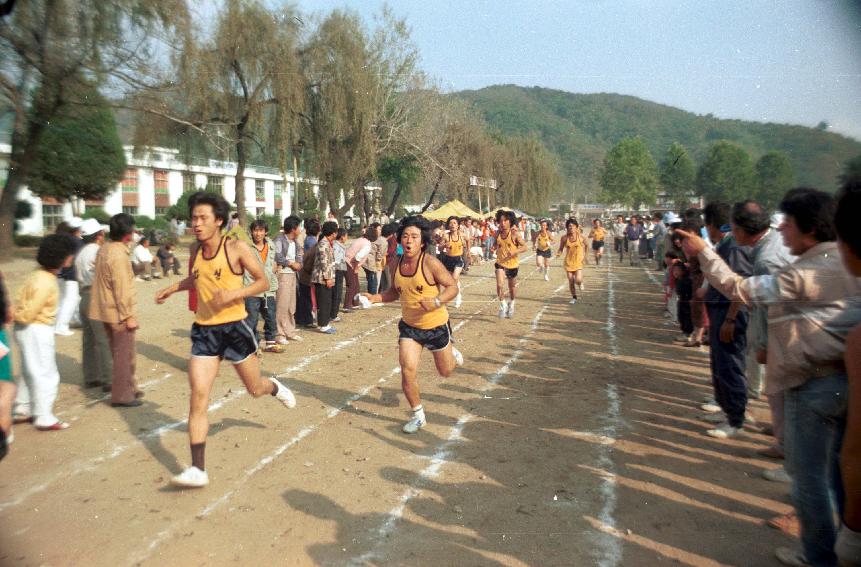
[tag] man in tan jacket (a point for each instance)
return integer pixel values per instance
(114, 303)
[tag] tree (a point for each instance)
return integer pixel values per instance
(47, 48)
(80, 155)
(241, 88)
(678, 175)
(726, 174)
(629, 175)
(398, 174)
(774, 177)
(851, 171)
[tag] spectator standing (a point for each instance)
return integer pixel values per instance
(264, 302)
(355, 258)
(381, 250)
(323, 276)
(339, 247)
(378, 252)
(288, 259)
(35, 311)
(305, 304)
(114, 303)
(617, 229)
(70, 297)
(810, 313)
(7, 384)
(96, 350)
(633, 232)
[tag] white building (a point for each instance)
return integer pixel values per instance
(155, 179)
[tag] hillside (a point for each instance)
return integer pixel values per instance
(580, 128)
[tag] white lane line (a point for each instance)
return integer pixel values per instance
(440, 456)
(610, 547)
(67, 471)
(165, 534)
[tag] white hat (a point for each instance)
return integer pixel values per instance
(75, 223)
(671, 218)
(777, 220)
(90, 227)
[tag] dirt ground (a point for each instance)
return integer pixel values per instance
(570, 437)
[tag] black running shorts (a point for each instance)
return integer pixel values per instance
(451, 262)
(432, 339)
(597, 244)
(510, 273)
(231, 341)
(544, 253)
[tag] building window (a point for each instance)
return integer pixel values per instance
(160, 176)
(133, 211)
(161, 211)
(52, 215)
(279, 189)
(259, 190)
(130, 181)
(215, 183)
(278, 213)
(188, 183)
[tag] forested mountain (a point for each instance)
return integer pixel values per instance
(580, 128)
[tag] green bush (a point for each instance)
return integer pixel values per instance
(97, 213)
(145, 223)
(27, 240)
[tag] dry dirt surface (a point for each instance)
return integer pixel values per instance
(569, 437)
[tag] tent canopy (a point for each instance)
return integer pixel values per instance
(455, 208)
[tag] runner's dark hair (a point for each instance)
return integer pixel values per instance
(451, 218)
(220, 207)
(569, 222)
(512, 218)
(420, 223)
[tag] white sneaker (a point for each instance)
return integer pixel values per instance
(413, 425)
(282, 341)
(192, 477)
(790, 556)
(503, 308)
(546, 276)
(284, 394)
(458, 357)
(710, 407)
(573, 301)
(776, 475)
(724, 431)
(510, 313)
(457, 301)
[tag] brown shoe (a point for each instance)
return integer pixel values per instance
(771, 452)
(787, 523)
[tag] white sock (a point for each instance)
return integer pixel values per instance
(419, 412)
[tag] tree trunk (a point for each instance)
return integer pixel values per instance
(240, 172)
(394, 202)
(433, 193)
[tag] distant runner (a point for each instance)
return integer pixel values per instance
(542, 246)
(453, 246)
(509, 245)
(574, 246)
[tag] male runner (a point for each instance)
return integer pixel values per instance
(574, 246)
(453, 245)
(509, 245)
(220, 330)
(541, 245)
(424, 318)
(597, 234)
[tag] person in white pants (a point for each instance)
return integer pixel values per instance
(35, 309)
(70, 296)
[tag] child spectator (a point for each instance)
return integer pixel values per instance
(35, 314)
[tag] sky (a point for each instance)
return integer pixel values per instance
(788, 61)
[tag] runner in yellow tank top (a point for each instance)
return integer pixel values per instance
(220, 330)
(598, 234)
(424, 286)
(542, 248)
(452, 256)
(574, 246)
(509, 244)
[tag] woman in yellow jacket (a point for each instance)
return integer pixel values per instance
(574, 246)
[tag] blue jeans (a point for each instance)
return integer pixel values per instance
(728, 363)
(372, 281)
(254, 305)
(488, 247)
(815, 421)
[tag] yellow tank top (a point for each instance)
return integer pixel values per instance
(455, 247)
(598, 233)
(211, 275)
(543, 242)
(574, 253)
(507, 250)
(412, 290)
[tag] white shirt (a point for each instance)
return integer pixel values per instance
(141, 255)
(85, 264)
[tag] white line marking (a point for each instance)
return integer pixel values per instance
(440, 456)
